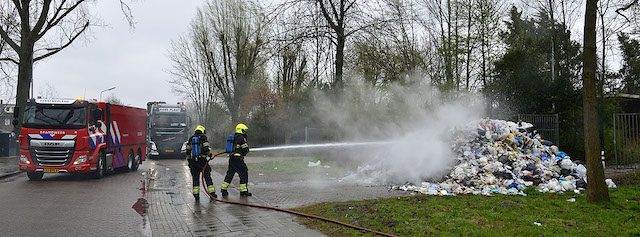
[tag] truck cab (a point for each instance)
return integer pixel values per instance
(166, 128)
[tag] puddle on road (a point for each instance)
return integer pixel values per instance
(141, 208)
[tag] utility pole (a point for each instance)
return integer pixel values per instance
(553, 46)
(553, 50)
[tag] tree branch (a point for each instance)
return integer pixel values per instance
(56, 50)
(349, 6)
(9, 59)
(126, 10)
(367, 26)
(619, 10)
(43, 17)
(326, 15)
(57, 11)
(53, 22)
(8, 39)
(17, 4)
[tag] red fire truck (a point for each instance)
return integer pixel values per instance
(79, 136)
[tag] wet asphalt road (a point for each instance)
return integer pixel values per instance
(73, 205)
(156, 200)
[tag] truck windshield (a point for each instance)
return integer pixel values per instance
(170, 121)
(50, 117)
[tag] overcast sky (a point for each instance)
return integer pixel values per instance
(133, 60)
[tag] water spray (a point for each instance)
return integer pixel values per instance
(323, 145)
(286, 210)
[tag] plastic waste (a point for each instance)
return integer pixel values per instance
(312, 164)
(568, 186)
(503, 157)
(610, 183)
(317, 164)
(581, 170)
(566, 164)
(561, 154)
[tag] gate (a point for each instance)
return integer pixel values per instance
(546, 124)
(626, 140)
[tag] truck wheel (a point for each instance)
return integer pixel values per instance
(130, 162)
(35, 176)
(100, 169)
(136, 162)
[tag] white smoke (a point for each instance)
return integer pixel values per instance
(415, 121)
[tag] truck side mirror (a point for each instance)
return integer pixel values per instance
(99, 114)
(16, 112)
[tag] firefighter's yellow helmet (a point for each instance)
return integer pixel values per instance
(241, 128)
(200, 128)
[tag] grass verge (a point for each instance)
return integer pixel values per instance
(300, 166)
(500, 215)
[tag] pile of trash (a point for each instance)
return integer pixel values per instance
(503, 157)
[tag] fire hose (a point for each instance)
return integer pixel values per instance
(283, 210)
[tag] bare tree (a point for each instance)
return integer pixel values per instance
(191, 80)
(49, 91)
(292, 71)
(388, 53)
(113, 99)
(610, 24)
(596, 187)
(290, 57)
(451, 26)
(226, 46)
(340, 19)
(37, 29)
(488, 15)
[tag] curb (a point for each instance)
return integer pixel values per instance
(7, 175)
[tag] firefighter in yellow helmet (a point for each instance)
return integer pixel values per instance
(197, 152)
(236, 162)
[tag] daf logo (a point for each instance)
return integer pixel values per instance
(51, 143)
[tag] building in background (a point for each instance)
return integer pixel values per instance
(8, 145)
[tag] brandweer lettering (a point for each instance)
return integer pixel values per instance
(52, 132)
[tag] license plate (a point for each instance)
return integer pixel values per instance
(51, 170)
(169, 150)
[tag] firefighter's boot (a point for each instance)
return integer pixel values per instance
(224, 188)
(212, 191)
(244, 191)
(196, 193)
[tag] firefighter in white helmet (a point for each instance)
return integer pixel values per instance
(197, 152)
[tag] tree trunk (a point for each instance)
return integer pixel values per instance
(469, 22)
(596, 187)
(339, 60)
(25, 78)
(448, 53)
(457, 48)
(604, 55)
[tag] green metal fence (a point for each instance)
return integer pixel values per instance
(626, 140)
(546, 124)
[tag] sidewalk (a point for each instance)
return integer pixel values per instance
(172, 210)
(8, 166)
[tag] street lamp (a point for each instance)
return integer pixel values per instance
(106, 90)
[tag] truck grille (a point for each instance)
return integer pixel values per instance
(52, 156)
